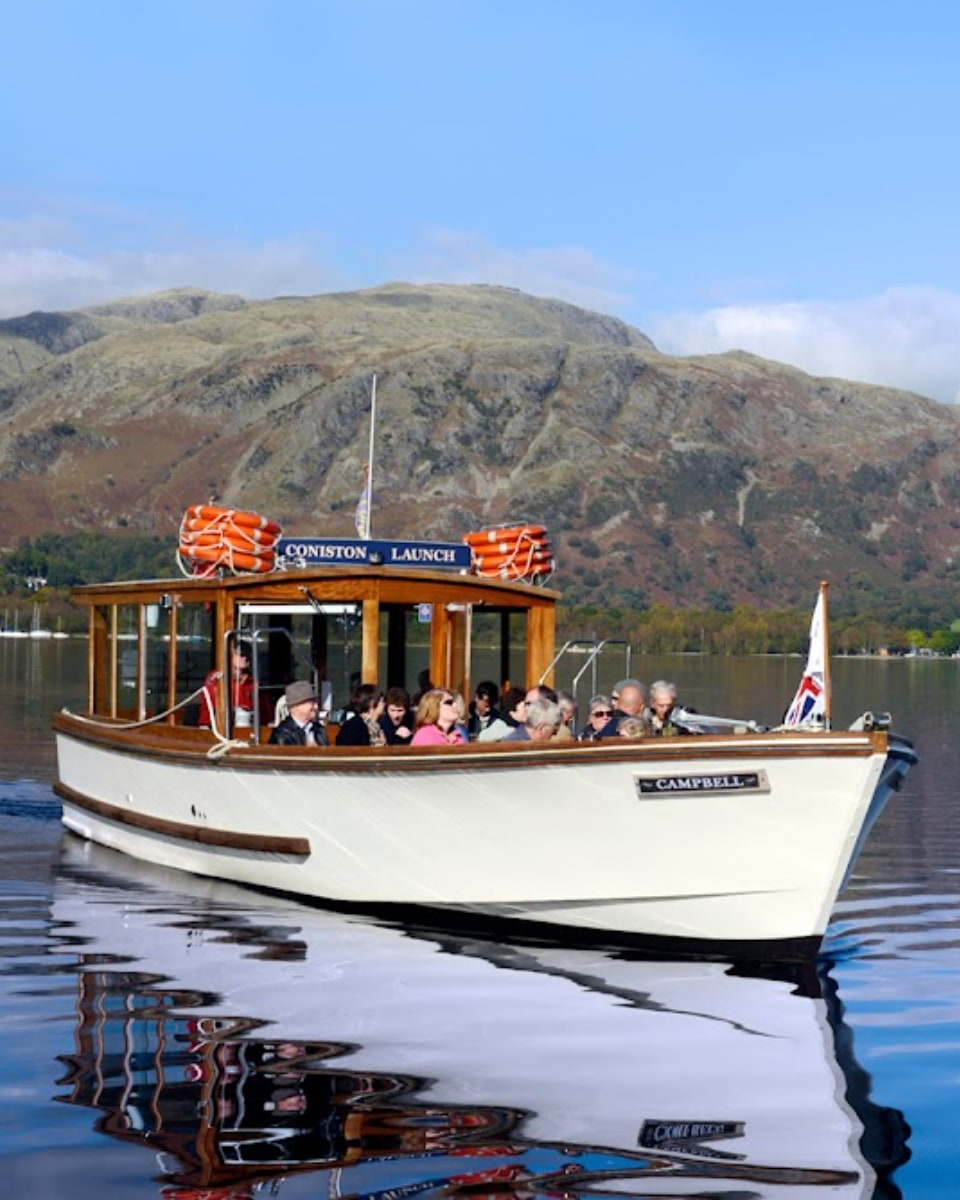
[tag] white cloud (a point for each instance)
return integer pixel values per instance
(906, 337)
(569, 273)
(52, 278)
(63, 253)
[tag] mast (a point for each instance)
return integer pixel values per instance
(364, 513)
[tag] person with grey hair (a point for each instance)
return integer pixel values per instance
(568, 715)
(599, 713)
(663, 702)
(542, 721)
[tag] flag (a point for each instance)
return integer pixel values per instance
(361, 516)
(810, 701)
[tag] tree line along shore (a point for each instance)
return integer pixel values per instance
(862, 620)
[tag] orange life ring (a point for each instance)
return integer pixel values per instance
(508, 549)
(508, 534)
(236, 539)
(209, 512)
(538, 571)
(191, 528)
(491, 561)
(226, 557)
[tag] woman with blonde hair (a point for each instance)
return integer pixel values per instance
(436, 720)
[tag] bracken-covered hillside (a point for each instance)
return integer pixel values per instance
(660, 478)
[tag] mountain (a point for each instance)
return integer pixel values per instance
(718, 478)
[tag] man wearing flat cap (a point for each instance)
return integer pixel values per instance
(301, 727)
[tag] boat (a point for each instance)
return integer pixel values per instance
(735, 840)
(244, 1042)
(15, 631)
(37, 630)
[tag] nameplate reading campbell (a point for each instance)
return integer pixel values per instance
(712, 785)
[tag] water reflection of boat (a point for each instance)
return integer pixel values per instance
(245, 1044)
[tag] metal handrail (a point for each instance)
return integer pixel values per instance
(595, 650)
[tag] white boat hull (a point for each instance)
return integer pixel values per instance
(562, 837)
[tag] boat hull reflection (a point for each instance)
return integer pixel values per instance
(247, 1044)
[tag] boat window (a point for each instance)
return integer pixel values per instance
(101, 684)
(404, 649)
(156, 658)
(195, 651)
(125, 659)
(344, 652)
(499, 648)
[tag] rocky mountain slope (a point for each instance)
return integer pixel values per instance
(724, 477)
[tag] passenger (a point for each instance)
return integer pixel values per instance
(462, 717)
(397, 720)
(601, 710)
(663, 703)
(483, 708)
(513, 709)
(363, 728)
(301, 727)
(618, 688)
(632, 703)
(436, 720)
(542, 721)
(634, 727)
(423, 686)
(540, 691)
(568, 715)
(242, 698)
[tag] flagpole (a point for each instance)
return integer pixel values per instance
(827, 691)
(373, 423)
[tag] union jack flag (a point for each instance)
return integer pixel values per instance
(810, 701)
(361, 516)
(807, 703)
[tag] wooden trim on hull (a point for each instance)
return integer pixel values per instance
(178, 744)
(296, 847)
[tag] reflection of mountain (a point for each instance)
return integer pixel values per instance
(244, 1044)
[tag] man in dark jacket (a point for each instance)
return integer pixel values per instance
(301, 727)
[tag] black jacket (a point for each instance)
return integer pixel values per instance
(289, 733)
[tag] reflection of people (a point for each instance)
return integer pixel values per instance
(301, 727)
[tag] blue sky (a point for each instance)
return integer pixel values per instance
(774, 176)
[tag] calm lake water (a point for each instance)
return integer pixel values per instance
(167, 1037)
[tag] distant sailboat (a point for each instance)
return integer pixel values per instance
(35, 628)
(16, 631)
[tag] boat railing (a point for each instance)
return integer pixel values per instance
(592, 649)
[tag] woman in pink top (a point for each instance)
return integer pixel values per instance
(436, 721)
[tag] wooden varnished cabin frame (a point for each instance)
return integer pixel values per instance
(453, 600)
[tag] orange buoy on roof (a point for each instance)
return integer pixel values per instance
(216, 539)
(210, 514)
(511, 552)
(507, 534)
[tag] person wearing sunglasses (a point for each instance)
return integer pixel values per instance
(436, 721)
(599, 713)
